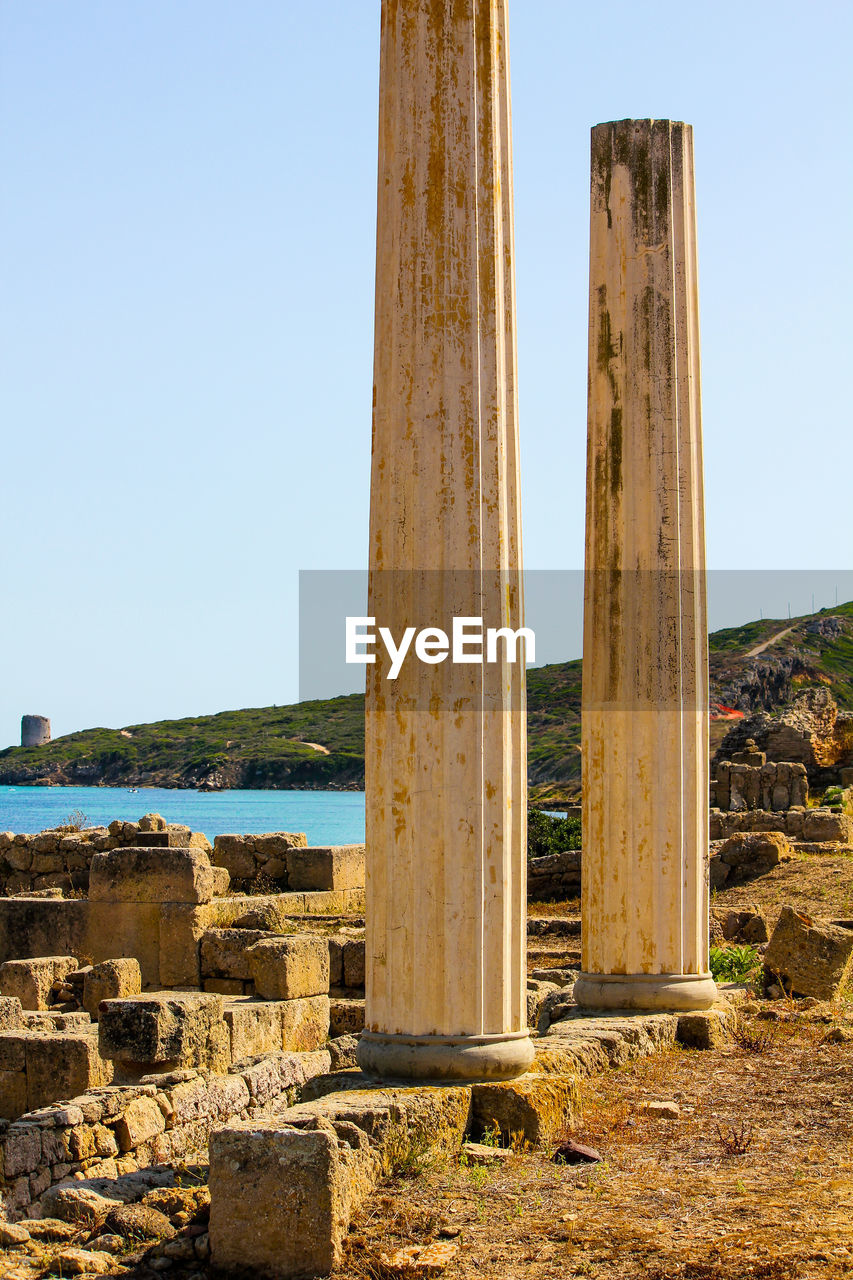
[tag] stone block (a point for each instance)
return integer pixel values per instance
(43, 927)
(30, 981)
(181, 928)
(111, 980)
(708, 1029)
(339, 902)
(13, 1050)
(346, 1017)
(140, 1121)
(755, 850)
(282, 1199)
(336, 960)
(171, 838)
(794, 822)
(10, 1013)
(534, 1107)
(181, 1028)
(289, 968)
(62, 1066)
(237, 855)
(152, 822)
(13, 1094)
(304, 1023)
(21, 1151)
(275, 844)
(221, 881)
(151, 875)
(718, 872)
(225, 986)
(330, 867)
(255, 1027)
(823, 825)
(124, 930)
(812, 958)
(353, 963)
(755, 931)
(225, 952)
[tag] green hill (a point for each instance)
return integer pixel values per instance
(320, 745)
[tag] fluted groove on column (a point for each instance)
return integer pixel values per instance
(645, 669)
(445, 745)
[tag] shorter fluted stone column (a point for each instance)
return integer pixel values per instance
(645, 668)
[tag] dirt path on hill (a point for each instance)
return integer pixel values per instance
(759, 648)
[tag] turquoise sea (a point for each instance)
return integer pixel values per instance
(327, 817)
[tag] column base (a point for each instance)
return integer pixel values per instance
(393, 1057)
(678, 992)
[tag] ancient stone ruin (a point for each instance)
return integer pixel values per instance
(35, 731)
(166, 1005)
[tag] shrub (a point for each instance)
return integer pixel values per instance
(547, 834)
(76, 820)
(733, 964)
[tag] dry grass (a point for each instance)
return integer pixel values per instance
(755, 1180)
(820, 884)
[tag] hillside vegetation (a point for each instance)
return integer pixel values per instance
(320, 744)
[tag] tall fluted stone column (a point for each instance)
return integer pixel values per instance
(645, 667)
(445, 743)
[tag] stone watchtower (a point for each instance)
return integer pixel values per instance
(35, 731)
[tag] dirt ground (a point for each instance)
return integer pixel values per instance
(754, 1179)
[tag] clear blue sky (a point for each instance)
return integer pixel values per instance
(187, 216)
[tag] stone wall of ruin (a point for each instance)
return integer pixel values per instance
(117, 1130)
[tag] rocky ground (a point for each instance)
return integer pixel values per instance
(734, 1163)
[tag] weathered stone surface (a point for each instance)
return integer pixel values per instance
(71, 1202)
(63, 1066)
(71, 1261)
(304, 1023)
(126, 930)
(152, 822)
(534, 1107)
(346, 1017)
(255, 1027)
(282, 1199)
(822, 824)
(225, 952)
(705, 1029)
(812, 958)
(12, 1234)
(13, 1094)
(332, 867)
(181, 1028)
(757, 850)
(645, 686)
(140, 1121)
(151, 875)
(30, 981)
(181, 927)
(663, 1110)
(342, 1052)
(237, 855)
(444, 352)
(109, 980)
(13, 1050)
(353, 963)
(288, 968)
(221, 880)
